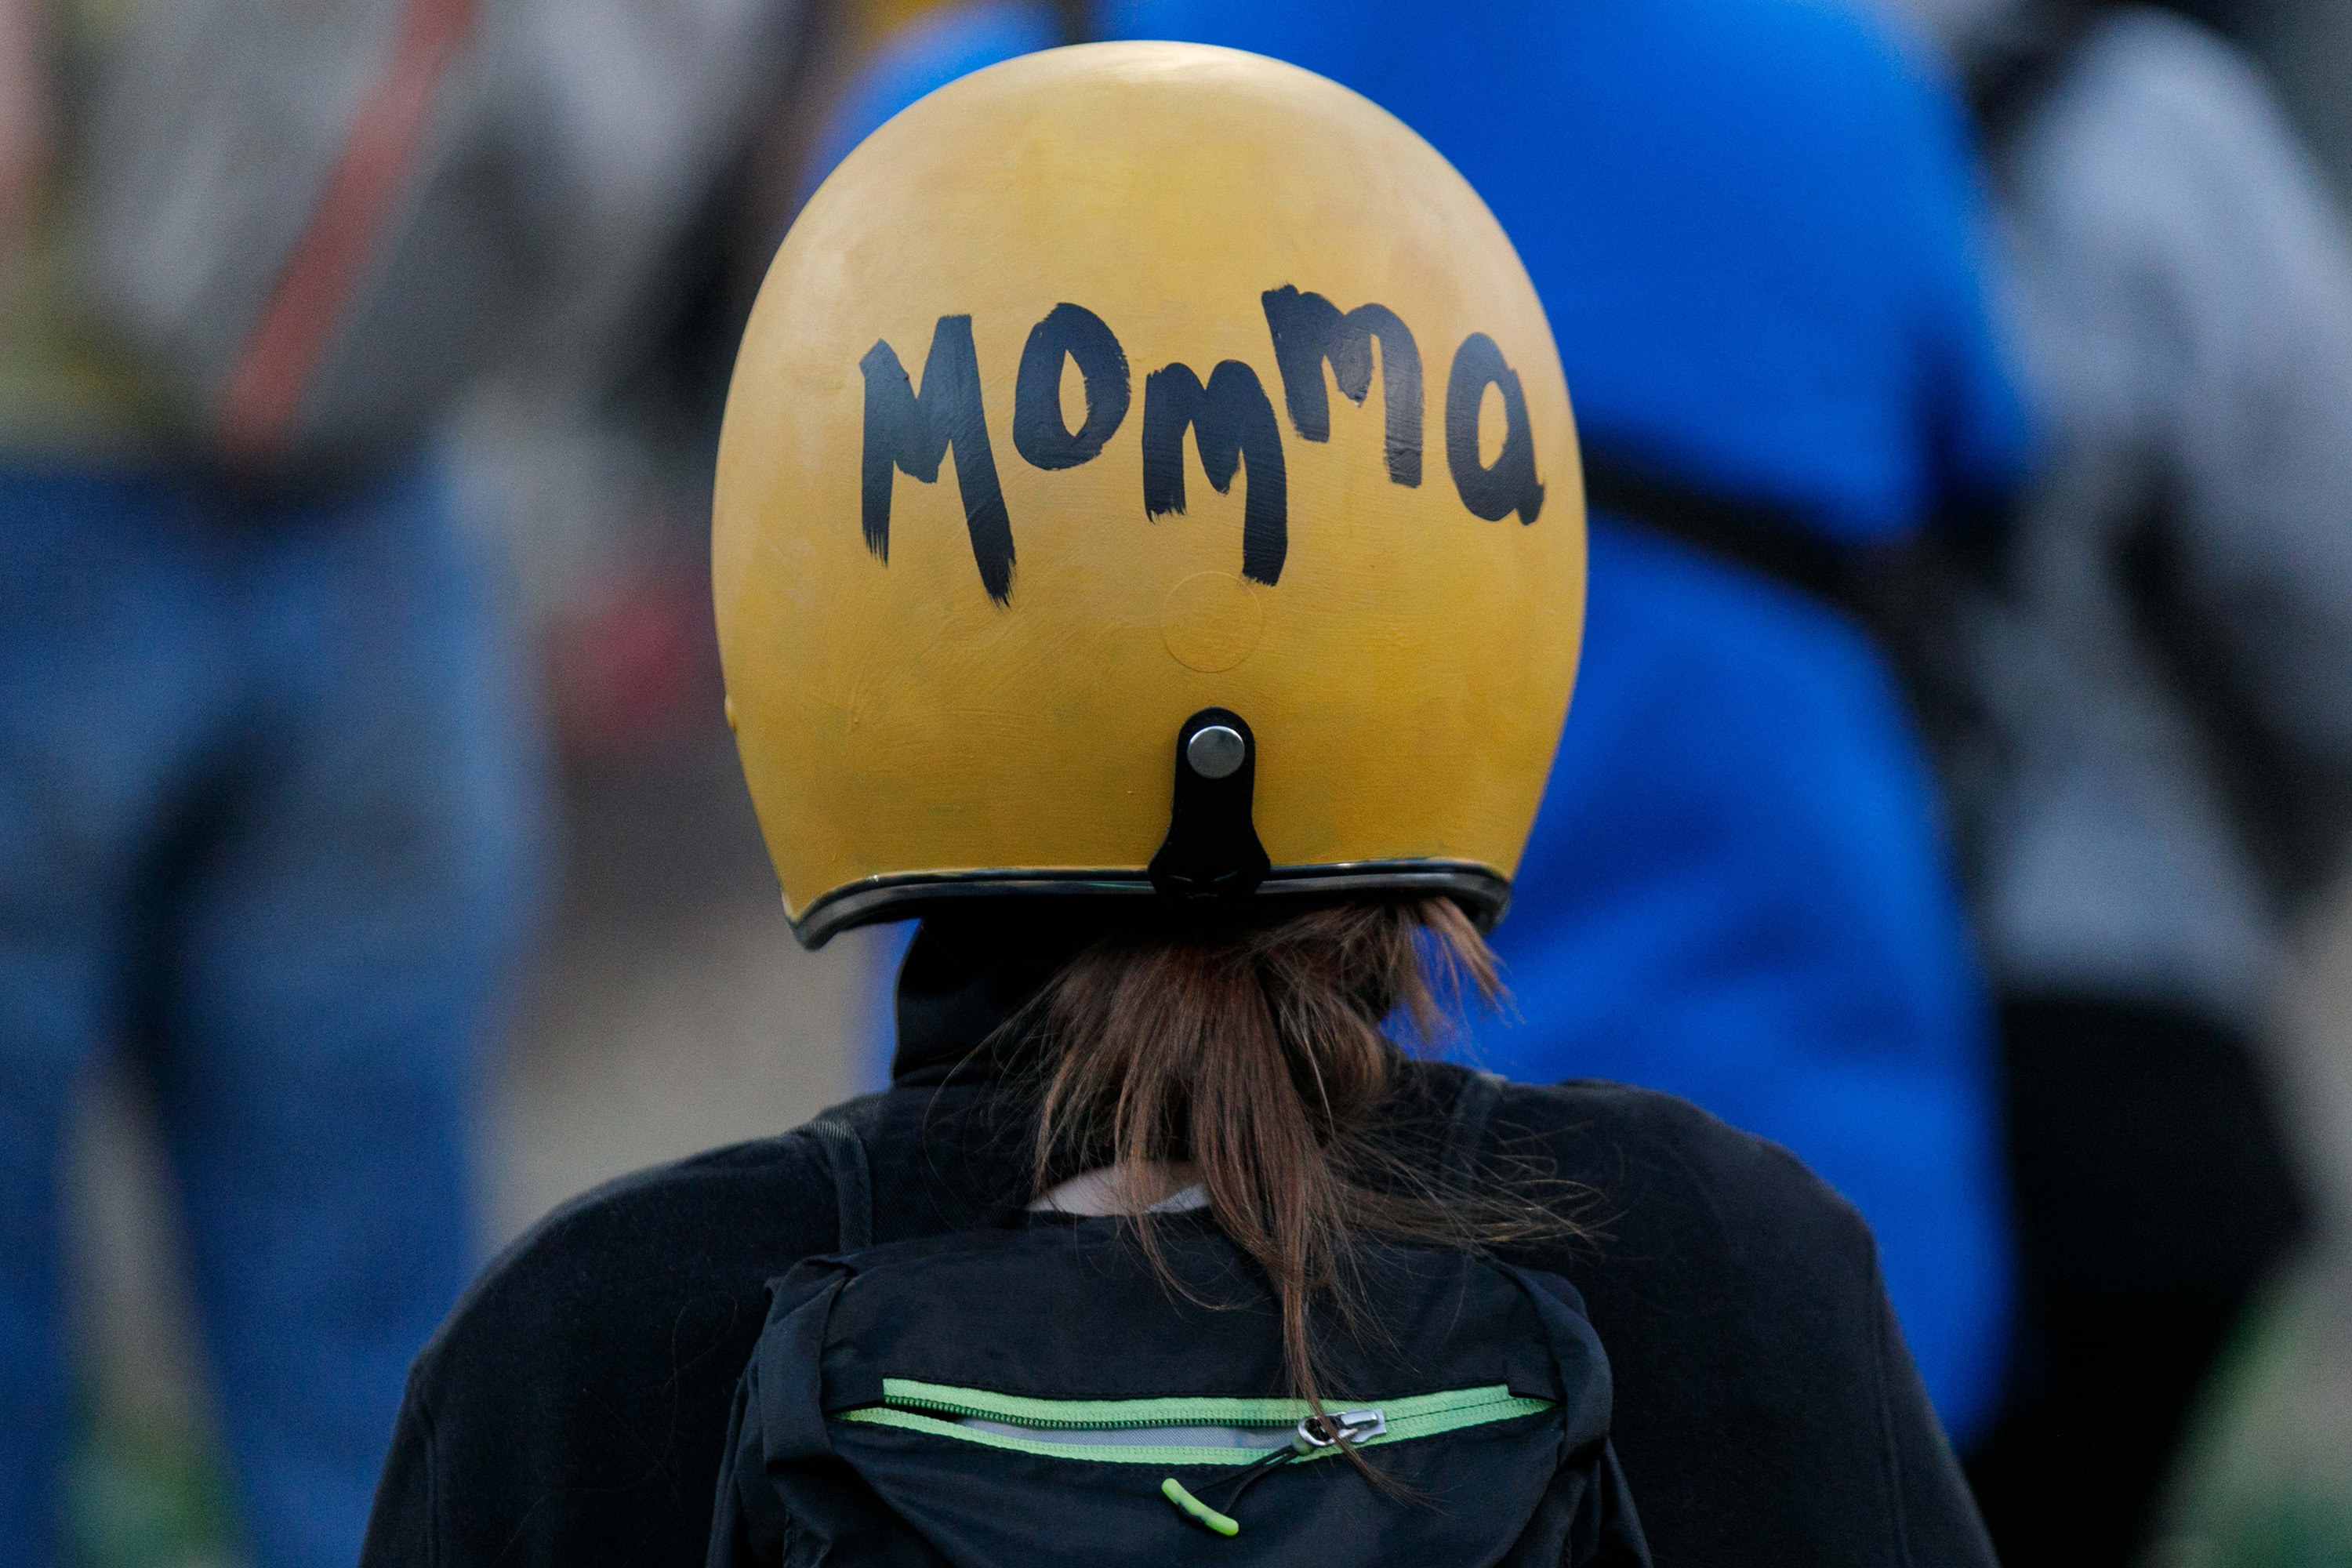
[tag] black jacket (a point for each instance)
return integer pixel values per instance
(572, 1409)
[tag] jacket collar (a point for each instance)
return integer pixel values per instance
(964, 979)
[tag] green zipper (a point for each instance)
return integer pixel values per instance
(939, 1410)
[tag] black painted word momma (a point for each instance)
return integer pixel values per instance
(1232, 420)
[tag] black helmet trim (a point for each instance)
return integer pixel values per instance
(1483, 892)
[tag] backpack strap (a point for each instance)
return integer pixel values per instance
(853, 1181)
(1466, 1130)
(349, 231)
(1778, 541)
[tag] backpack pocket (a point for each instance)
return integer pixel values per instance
(1021, 1399)
(1221, 1446)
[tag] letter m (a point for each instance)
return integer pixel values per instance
(1309, 330)
(910, 432)
(1233, 422)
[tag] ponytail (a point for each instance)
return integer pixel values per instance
(1259, 1057)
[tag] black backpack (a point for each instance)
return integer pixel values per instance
(1036, 1394)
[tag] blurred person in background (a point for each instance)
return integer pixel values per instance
(1756, 229)
(267, 824)
(269, 803)
(2161, 650)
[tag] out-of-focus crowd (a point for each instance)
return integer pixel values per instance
(1957, 778)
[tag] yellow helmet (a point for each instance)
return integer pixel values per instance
(1313, 649)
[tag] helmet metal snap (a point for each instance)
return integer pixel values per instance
(1216, 751)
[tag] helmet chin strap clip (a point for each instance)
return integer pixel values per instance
(1212, 850)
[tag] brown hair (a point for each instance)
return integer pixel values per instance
(1259, 1055)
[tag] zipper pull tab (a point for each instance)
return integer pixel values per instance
(1225, 1524)
(1311, 1436)
(1355, 1427)
(1200, 1513)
